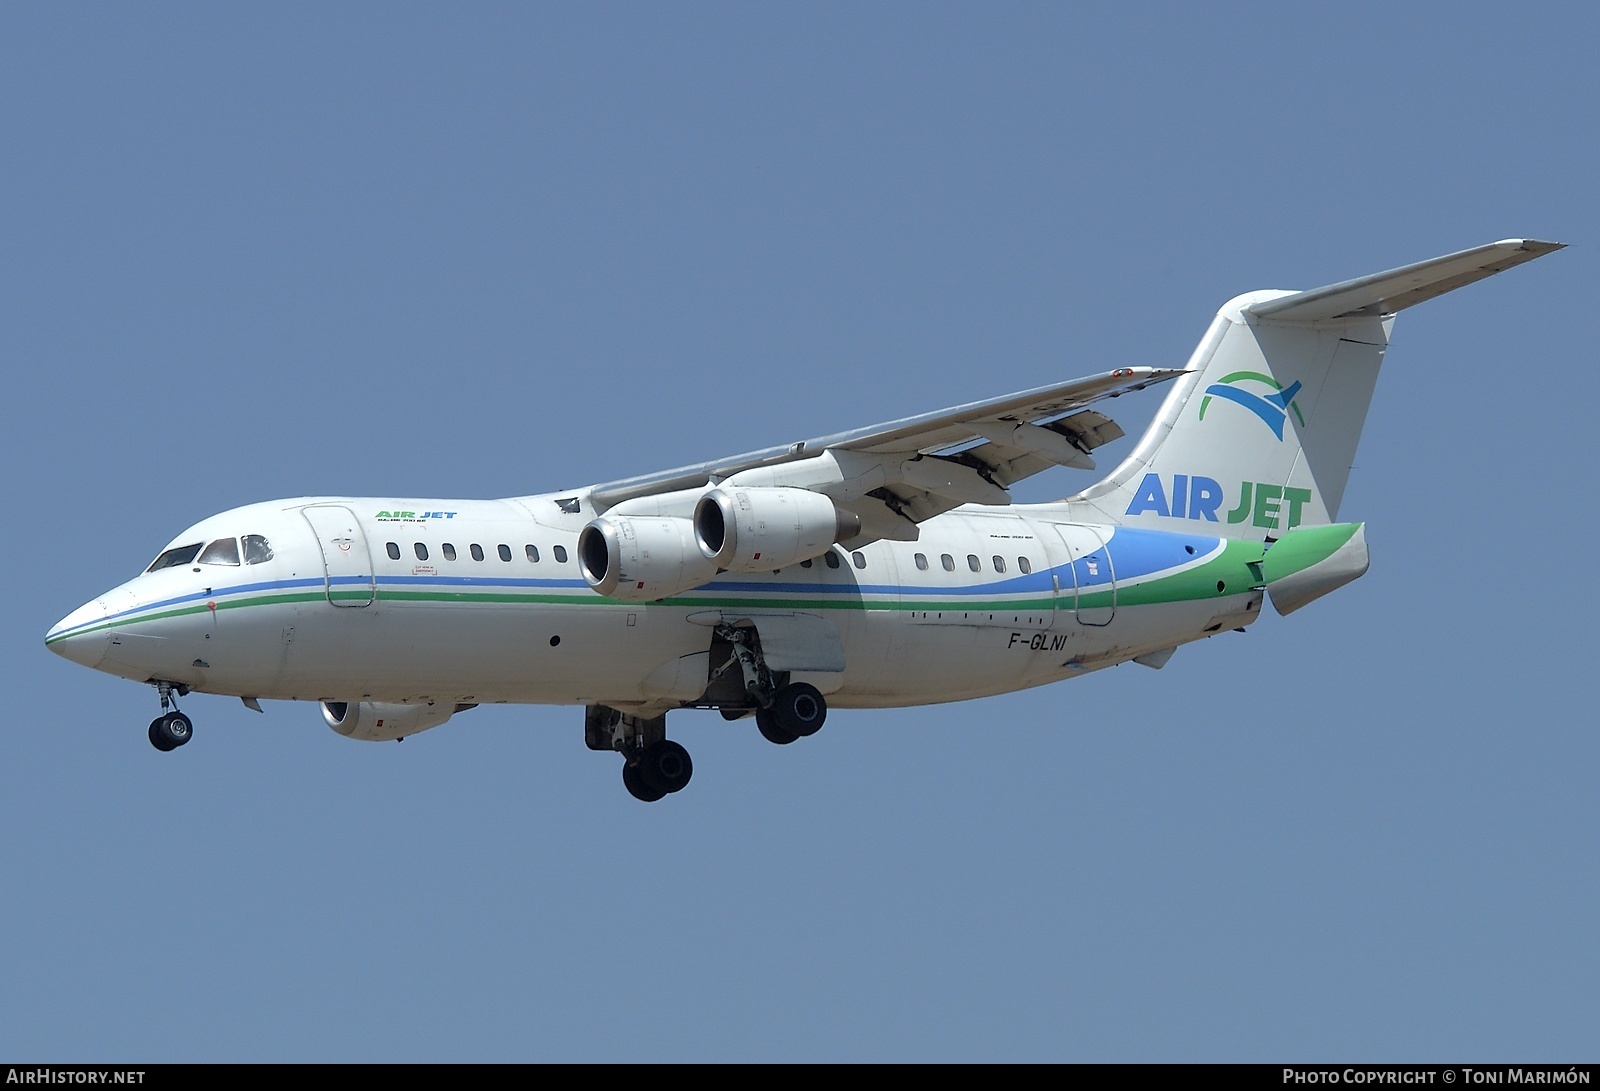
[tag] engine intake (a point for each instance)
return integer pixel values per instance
(639, 558)
(373, 721)
(747, 530)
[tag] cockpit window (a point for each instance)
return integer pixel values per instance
(221, 551)
(175, 556)
(256, 549)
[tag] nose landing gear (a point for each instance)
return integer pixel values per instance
(170, 731)
(172, 728)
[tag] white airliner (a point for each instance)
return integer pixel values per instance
(876, 568)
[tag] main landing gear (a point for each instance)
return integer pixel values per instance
(784, 713)
(172, 728)
(653, 766)
(797, 711)
(658, 770)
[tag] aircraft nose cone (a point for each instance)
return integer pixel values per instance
(79, 636)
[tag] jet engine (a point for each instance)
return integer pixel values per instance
(639, 558)
(747, 530)
(371, 721)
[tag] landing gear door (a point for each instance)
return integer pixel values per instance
(800, 642)
(1092, 570)
(346, 561)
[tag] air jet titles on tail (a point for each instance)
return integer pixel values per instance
(876, 568)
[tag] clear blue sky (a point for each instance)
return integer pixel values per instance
(487, 250)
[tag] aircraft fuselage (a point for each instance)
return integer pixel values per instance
(473, 601)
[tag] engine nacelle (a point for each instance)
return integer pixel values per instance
(639, 558)
(371, 721)
(749, 529)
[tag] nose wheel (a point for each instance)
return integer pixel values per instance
(170, 731)
(172, 728)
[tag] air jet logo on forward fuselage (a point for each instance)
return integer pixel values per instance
(1201, 497)
(1273, 409)
(412, 516)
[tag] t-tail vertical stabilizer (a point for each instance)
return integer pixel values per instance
(1259, 437)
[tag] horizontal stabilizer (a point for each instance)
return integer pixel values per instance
(1386, 293)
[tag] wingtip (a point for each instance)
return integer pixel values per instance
(1537, 246)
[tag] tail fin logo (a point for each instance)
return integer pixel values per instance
(1273, 409)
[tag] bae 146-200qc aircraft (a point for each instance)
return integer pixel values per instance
(876, 568)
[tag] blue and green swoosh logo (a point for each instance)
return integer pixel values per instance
(1273, 409)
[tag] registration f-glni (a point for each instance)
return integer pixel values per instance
(875, 568)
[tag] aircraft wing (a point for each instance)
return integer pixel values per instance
(895, 475)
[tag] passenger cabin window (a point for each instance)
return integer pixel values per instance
(393, 550)
(948, 562)
(449, 552)
(221, 551)
(806, 563)
(859, 559)
(1024, 565)
(999, 564)
(505, 552)
(922, 562)
(560, 554)
(973, 562)
(533, 553)
(421, 551)
(477, 551)
(175, 556)
(256, 549)
(832, 558)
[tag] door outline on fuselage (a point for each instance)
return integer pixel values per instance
(345, 554)
(1087, 551)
